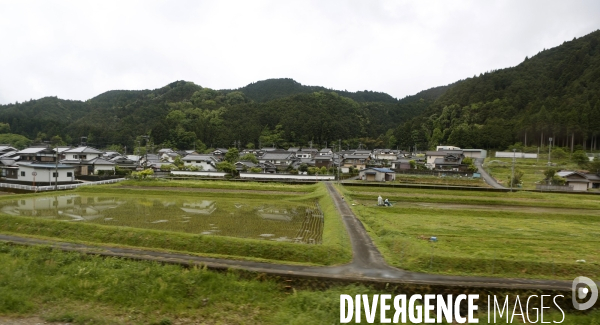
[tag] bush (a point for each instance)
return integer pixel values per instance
(552, 178)
(517, 178)
(167, 168)
(558, 152)
(580, 158)
(194, 168)
(549, 173)
(121, 171)
(413, 164)
(143, 174)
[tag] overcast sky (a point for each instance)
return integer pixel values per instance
(79, 49)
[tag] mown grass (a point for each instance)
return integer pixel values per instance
(533, 169)
(335, 248)
(82, 289)
(438, 180)
(484, 237)
(522, 198)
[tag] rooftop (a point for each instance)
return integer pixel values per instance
(83, 150)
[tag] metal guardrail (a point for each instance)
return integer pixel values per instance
(59, 187)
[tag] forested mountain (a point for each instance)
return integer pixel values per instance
(554, 94)
(278, 112)
(269, 89)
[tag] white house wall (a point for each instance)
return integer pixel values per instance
(88, 156)
(199, 173)
(205, 166)
(45, 175)
(98, 168)
(288, 176)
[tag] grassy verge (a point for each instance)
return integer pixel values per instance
(479, 240)
(80, 289)
(437, 180)
(334, 249)
(218, 184)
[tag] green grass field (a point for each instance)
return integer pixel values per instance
(533, 169)
(219, 184)
(151, 217)
(68, 287)
(523, 234)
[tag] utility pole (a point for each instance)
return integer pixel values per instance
(549, 147)
(339, 160)
(56, 170)
(146, 154)
(512, 177)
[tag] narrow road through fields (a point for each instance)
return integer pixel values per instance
(487, 177)
(367, 263)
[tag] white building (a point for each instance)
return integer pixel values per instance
(377, 174)
(205, 162)
(82, 153)
(45, 173)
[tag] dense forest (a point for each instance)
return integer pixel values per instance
(275, 112)
(555, 93)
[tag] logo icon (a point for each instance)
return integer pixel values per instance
(582, 288)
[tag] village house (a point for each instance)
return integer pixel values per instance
(311, 151)
(444, 159)
(324, 161)
(280, 159)
(355, 161)
(580, 181)
(401, 164)
(40, 154)
(244, 166)
(205, 162)
(377, 175)
(40, 174)
(169, 156)
(124, 162)
(220, 153)
(82, 153)
(87, 161)
(325, 152)
(9, 168)
(6, 149)
(385, 154)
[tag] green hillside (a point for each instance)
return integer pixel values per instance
(270, 89)
(555, 94)
(185, 115)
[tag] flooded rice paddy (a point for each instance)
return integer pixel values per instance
(278, 221)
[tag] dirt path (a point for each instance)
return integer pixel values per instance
(217, 190)
(25, 321)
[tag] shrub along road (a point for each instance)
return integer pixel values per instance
(367, 263)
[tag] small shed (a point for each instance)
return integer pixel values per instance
(401, 164)
(377, 175)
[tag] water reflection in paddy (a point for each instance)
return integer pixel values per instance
(278, 221)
